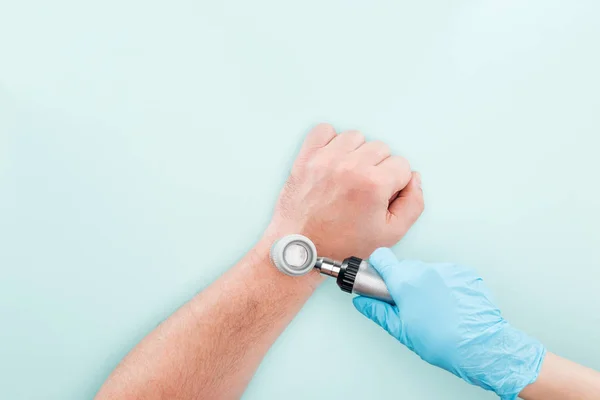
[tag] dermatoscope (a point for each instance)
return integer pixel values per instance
(296, 255)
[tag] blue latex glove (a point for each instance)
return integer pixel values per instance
(446, 315)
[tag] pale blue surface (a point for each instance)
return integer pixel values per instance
(142, 145)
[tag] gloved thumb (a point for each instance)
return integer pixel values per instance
(382, 313)
(385, 263)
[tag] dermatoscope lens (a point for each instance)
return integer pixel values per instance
(294, 255)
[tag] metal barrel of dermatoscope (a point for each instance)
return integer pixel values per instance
(296, 255)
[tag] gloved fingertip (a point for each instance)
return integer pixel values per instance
(383, 256)
(361, 304)
(377, 311)
(383, 259)
(367, 307)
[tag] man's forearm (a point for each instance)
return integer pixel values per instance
(349, 196)
(211, 347)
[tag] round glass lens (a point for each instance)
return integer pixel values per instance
(295, 255)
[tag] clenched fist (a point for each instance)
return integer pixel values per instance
(347, 195)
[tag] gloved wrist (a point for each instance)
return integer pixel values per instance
(515, 361)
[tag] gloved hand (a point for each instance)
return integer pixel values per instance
(445, 314)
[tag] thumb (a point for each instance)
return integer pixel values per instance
(385, 263)
(383, 314)
(393, 272)
(409, 204)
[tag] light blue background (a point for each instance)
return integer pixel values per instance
(142, 146)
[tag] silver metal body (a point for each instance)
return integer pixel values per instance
(328, 267)
(369, 283)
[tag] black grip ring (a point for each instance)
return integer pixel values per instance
(347, 275)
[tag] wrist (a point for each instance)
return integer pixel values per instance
(261, 259)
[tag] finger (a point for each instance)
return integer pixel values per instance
(409, 205)
(318, 137)
(372, 153)
(385, 263)
(391, 270)
(346, 142)
(395, 274)
(383, 314)
(398, 169)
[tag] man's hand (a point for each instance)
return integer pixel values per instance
(348, 196)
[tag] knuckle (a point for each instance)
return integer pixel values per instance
(319, 136)
(346, 170)
(374, 181)
(322, 131)
(404, 164)
(354, 136)
(381, 184)
(323, 126)
(381, 147)
(381, 178)
(313, 165)
(354, 133)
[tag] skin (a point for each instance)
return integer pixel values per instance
(561, 379)
(349, 197)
